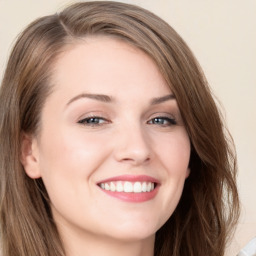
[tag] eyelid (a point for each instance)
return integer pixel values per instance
(163, 114)
(92, 113)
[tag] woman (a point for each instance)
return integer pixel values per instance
(111, 141)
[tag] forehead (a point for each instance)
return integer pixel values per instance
(106, 63)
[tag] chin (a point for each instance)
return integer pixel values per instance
(134, 232)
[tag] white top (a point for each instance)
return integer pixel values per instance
(249, 249)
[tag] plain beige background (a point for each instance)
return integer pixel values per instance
(222, 34)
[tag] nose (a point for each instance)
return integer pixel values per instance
(133, 146)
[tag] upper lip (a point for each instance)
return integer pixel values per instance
(131, 178)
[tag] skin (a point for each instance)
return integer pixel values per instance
(72, 156)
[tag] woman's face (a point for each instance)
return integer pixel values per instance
(112, 151)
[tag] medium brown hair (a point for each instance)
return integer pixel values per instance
(209, 205)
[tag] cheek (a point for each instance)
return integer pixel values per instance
(67, 163)
(65, 157)
(175, 154)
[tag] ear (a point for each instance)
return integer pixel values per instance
(29, 156)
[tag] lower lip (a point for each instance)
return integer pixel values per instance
(133, 197)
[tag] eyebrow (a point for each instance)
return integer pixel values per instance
(162, 99)
(99, 97)
(108, 99)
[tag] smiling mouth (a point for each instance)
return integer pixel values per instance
(131, 188)
(128, 186)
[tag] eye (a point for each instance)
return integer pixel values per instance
(162, 121)
(93, 121)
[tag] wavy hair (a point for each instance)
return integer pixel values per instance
(209, 206)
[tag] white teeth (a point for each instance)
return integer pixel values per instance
(119, 186)
(107, 187)
(137, 187)
(128, 187)
(144, 187)
(112, 187)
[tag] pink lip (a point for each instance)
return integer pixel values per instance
(132, 197)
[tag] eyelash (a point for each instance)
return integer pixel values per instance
(93, 121)
(98, 121)
(163, 121)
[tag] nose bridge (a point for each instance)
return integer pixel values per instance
(133, 144)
